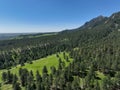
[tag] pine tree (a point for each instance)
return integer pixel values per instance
(44, 70)
(30, 79)
(24, 76)
(106, 83)
(117, 80)
(68, 86)
(14, 80)
(16, 86)
(97, 86)
(28, 87)
(53, 70)
(38, 86)
(64, 55)
(76, 84)
(9, 77)
(38, 77)
(4, 76)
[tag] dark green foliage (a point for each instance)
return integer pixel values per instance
(4, 76)
(14, 81)
(16, 86)
(106, 83)
(76, 84)
(44, 71)
(97, 86)
(95, 48)
(9, 77)
(38, 77)
(53, 70)
(23, 76)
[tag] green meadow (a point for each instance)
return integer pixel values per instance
(48, 61)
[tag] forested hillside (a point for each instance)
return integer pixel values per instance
(94, 47)
(4, 36)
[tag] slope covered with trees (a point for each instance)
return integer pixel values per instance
(94, 48)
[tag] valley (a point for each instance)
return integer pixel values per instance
(85, 58)
(48, 61)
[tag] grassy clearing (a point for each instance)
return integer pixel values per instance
(49, 61)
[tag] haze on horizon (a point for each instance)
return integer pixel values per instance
(19, 16)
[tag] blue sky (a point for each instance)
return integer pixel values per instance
(51, 15)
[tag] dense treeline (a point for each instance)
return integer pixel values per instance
(79, 75)
(35, 50)
(15, 52)
(94, 48)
